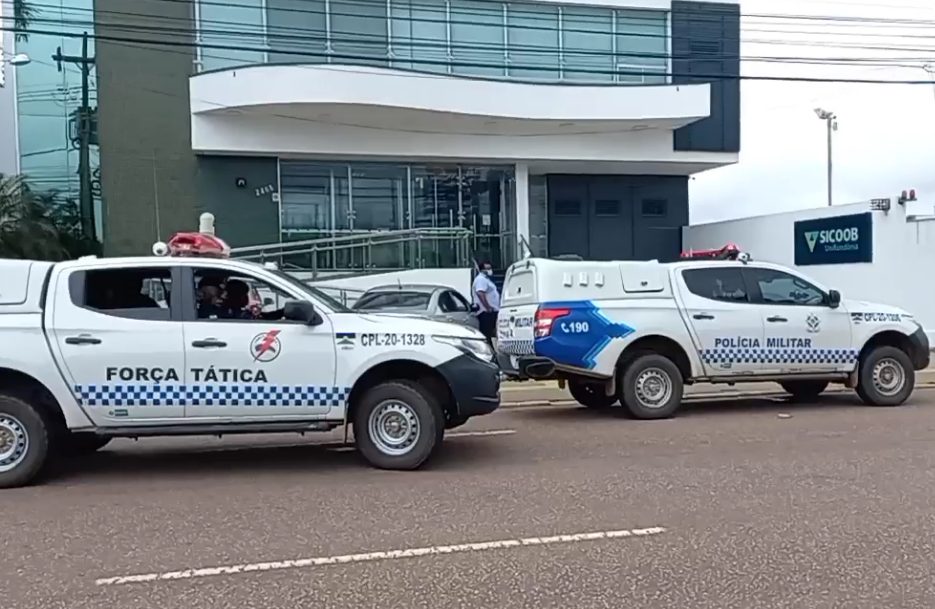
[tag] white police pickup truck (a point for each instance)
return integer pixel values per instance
(96, 349)
(637, 332)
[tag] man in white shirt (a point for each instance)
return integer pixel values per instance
(487, 298)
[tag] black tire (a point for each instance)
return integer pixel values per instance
(420, 403)
(84, 443)
(899, 362)
(804, 390)
(30, 429)
(665, 372)
(591, 395)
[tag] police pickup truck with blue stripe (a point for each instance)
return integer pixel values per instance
(190, 344)
(636, 333)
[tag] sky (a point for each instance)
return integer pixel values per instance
(885, 142)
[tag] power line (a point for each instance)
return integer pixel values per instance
(836, 21)
(523, 49)
(136, 41)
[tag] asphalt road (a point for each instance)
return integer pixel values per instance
(742, 504)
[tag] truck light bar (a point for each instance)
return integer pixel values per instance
(728, 252)
(197, 245)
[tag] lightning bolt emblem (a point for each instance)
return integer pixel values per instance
(268, 341)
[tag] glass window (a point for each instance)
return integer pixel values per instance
(394, 299)
(452, 302)
(588, 44)
(642, 46)
(306, 199)
(341, 199)
(532, 40)
(298, 31)
(477, 38)
(236, 25)
(135, 293)
(419, 39)
(781, 288)
(724, 284)
(222, 295)
(359, 31)
(48, 102)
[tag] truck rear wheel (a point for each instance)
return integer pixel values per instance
(651, 387)
(804, 390)
(24, 442)
(886, 377)
(398, 425)
(591, 395)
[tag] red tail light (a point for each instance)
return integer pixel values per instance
(545, 319)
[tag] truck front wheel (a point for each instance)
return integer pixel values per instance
(398, 425)
(886, 377)
(651, 387)
(24, 442)
(591, 395)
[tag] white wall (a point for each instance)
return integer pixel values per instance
(450, 97)
(903, 253)
(251, 134)
(333, 111)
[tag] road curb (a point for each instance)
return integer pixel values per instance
(696, 397)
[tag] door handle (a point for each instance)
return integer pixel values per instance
(703, 316)
(208, 343)
(776, 318)
(84, 339)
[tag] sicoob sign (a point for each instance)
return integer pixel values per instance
(835, 240)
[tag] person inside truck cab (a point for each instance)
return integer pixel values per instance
(236, 303)
(209, 297)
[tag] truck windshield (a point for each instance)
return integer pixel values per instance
(333, 303)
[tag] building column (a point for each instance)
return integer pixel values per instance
(522, 210)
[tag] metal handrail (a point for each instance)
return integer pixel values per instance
(458, 237)
(412, 233)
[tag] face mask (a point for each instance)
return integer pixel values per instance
(488, 272)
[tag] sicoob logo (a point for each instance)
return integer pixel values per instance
(265, 347)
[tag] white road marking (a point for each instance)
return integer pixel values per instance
(489, 432)
(324, 561)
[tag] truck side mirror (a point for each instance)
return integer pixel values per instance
(302, 311)
(834, 298)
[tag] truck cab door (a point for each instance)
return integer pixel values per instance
(726, 329)
(247, 368)
(118, 337)
(803, 333)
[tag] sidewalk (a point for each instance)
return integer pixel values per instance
(538, 392)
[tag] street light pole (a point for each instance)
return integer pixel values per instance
(831, 122)
(86, 203)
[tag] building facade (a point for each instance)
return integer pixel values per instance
(48, 102)
(566, 127)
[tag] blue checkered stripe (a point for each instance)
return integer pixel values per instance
(779, 356)
(512, 346)
(120, 395)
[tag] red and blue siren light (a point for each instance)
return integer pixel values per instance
(197, 245)
(728, 252)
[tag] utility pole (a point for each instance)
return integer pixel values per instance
(831, 121)
(86, 202)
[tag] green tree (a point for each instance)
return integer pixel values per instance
(23, 14)
(39, 225)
